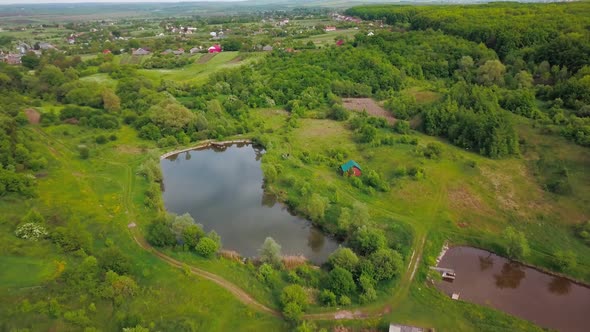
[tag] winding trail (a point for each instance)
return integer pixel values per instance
(59, 149)
(239, 293)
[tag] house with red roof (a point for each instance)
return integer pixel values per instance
(215, 49)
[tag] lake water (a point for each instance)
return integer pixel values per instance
(488, 279)
(221, 188)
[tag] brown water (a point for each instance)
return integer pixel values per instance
(488, 279)
(222, 189)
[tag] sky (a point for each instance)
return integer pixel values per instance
(7, 2)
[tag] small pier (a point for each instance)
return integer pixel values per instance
(447, 274)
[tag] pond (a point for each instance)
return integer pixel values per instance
(546, 300)
(222, 189)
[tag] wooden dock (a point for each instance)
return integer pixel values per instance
(442, 269)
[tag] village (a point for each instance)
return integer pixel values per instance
(154, 37)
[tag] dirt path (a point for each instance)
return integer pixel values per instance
(235, 290)
(205, 58)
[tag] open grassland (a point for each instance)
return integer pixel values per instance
(197, 72)
(329, 38)
(468, 197)
(102, 193)
(105, 194)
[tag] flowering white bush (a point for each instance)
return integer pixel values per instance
(31, 231)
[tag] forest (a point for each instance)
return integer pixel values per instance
(488, 147)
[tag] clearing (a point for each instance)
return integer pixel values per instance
(369, 105)
(33, 116)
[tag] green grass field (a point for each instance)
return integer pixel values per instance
(198, 72)
(464, 198)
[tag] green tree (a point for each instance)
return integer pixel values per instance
(344, 258)
(340, 281)
(191, 236)
(491, 72)
(360, 214)
(367, 240)
(387, 263)
(316, 206)
(270, 252)
(111, 101)
(206, 247)
(30, 60)
(524, 79)
(516, 244)
(171, 115)
(159, 234)
(52, 76)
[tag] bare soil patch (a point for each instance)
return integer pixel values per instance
(33, 116)
(369, 105)
(463, 198)
(205, 58)
(503, 188)
(129, 149)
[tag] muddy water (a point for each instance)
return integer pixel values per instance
(221, 187)
(488, 279)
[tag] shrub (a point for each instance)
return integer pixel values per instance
(294, 294)
(71, 238)
(344, 300)
(292, 312)
(328, 298)
(31, 231)
(101, 139)
(291, 262)
(84, 151)
(231, 255)
(401, 127)
(113, 259)
(565, 260)
(206, 247)
(267, 274)
(368, 296)
(33, 216)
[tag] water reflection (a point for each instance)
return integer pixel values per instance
(486, 262)
(268, 200)
(560, 286)
(187, 155)
(315, 240)
(510, 276)
(173, 157)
